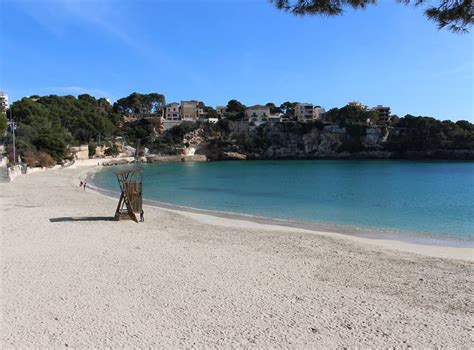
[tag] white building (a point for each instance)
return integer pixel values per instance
(258, 114)
(307, 111)
(3, 102)
(278, 117)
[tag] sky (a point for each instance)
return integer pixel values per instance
(217, 50)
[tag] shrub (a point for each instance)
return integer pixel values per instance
(30, 158)
(45, 160)
(112, 151)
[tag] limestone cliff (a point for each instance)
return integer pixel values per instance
(239, 140)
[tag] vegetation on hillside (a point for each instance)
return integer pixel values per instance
(3, 123)
(48, 125)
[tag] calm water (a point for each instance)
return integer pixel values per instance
(412, 197)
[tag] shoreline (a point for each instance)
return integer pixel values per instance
(416, 243)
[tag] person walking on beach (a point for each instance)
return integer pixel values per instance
(81, 184)
(84, 185)
(142, 219)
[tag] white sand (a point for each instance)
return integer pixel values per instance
(186, 279)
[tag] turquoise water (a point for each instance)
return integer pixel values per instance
(436, 198)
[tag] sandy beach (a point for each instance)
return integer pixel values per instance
(72, 277)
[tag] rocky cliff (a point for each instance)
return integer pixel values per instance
(318, 140)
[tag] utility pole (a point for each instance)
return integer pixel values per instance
(12, 124)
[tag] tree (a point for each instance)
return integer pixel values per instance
(350, 115)
(464, 124)
(51, 123)
(288, 108)
(52, 144)
(139, 131)
(91, 149)
(235, 106)
(273, 109)
(3, 123)
(211, 112)
(456, 15)
(140, 104)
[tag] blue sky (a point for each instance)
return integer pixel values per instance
(216, 50)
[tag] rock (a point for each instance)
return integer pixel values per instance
(194, 158)
(128, 151)
(234, 156)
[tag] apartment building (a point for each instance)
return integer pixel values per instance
(358, 105)
(383, 113)
(307, 111)
(190, 110)
(319, 112)
(3, 102)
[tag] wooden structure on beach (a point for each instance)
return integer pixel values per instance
(131, 197)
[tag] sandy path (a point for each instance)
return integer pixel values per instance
(178, 281)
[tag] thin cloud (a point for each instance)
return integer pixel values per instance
(56, 16)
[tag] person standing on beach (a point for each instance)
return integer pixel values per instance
(84, 185)
(142, 219)
(81, 184)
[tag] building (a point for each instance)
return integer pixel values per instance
(3, 102)
(278, 117)
(357, 104)
(172, 111)
(307, 111)
(258, 114)
(221, 110)
(383, 113)
(319, 112)
(190, 110)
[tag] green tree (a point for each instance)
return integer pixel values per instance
(3, 123)
(235, 106)
(91, 149)
(273, 109)
(140, 131)
(455, 15)
(288, 108)
(51, 123)
(350, 115)
(140, 104)
(211, 112)
(52, 144)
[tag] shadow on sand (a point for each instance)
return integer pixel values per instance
(82, 218)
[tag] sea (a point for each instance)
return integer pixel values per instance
(412, 199)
